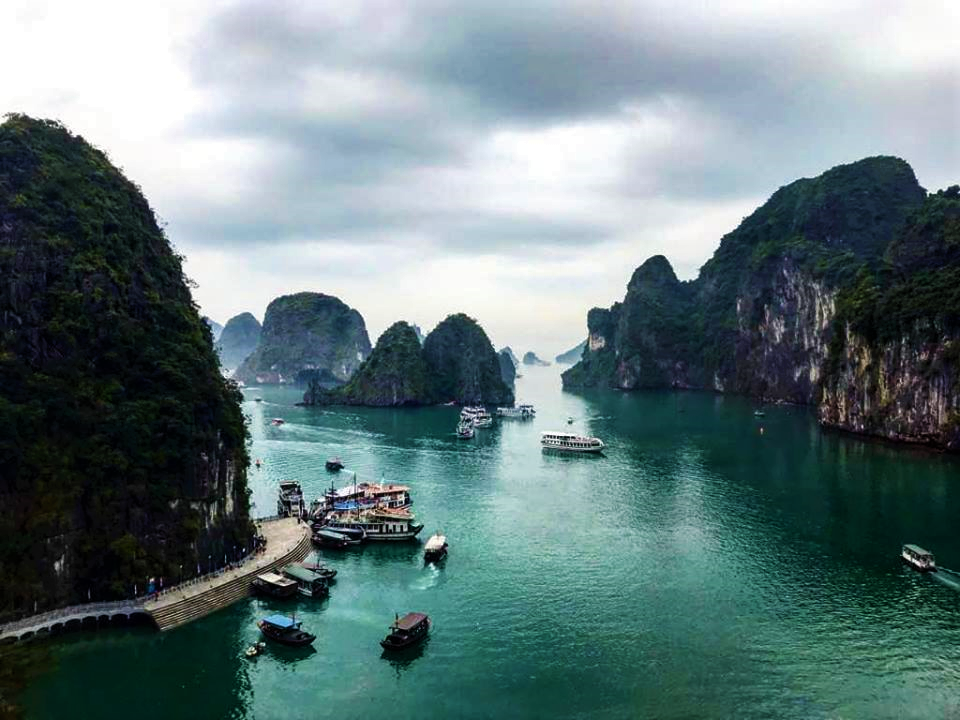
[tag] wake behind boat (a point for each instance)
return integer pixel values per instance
(570, 442)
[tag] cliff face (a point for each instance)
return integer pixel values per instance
(463, 365)
(508, 371)
(239, 339)
(816, 298)
(395, 374)
(121, 445)
(304, 335)
(215, 327)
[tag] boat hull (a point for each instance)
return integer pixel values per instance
(296, 638)
(921, 567)
(582, 451)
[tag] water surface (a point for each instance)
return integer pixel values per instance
(709, 565)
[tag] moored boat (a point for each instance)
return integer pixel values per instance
(570, 442)
(523, 412)
(917, 557)
(310, 584)
(354, 536)
(274, 585)
(286, 630)
(290, 502)
(328, 538)
(327, 573)
(436, 548)
(406, 631)
(377, 524)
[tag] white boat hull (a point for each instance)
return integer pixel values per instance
(561, 448)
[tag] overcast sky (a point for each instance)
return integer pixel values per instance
(512, 160)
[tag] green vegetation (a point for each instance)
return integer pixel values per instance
(121, 445)
(462, 364)
(307, 333)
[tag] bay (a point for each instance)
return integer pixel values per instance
(711, 564)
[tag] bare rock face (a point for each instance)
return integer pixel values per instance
(307, 335)
(239, 338)
(122, 447)
(842, 292)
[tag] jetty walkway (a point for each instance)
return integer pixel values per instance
(287, 542)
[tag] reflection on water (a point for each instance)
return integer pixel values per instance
(401, 660)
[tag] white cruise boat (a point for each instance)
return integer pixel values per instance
(919, 558)
(570, 442)
(524, 412)
(377, 524)
(482, 419)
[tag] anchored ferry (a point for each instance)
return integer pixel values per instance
(377, 524)
(570, 442)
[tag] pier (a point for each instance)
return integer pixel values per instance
(287, 542)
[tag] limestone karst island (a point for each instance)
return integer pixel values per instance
(474, 360)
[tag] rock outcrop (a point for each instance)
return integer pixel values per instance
(838, 292)
(530, 358)
(508, 371)
(122, 447)
(572, 355)
(456, 363)
(304, 336)
(215, 327)
(239, 339)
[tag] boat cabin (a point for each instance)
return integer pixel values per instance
(311, 584)
(275, 585)
(919, 558)
(406, 631)
(570, 441)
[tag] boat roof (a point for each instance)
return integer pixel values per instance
(332, 534)
(280, 621)
(289, 484)
(436, 542)
(410, 621)
(567, 436)
(917, 550)
(301, 573)
(274, 579)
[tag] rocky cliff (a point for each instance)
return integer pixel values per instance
(215, 327)
(395, 374)
(239, 339)
(463, 365)
(307, 335)
(788, 306)
(122, 447)
(508, 371)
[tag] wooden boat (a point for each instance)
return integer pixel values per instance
(328, 538)
(309, 583)
(381, 523)
(327, 573)
(274, 585)
(436, 548)
(286, 630)
(334, 464)
(406, 631)
(918, 558)
(354, 535)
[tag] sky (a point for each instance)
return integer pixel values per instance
(512, 160)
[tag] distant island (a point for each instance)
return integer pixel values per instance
(456, 363)
(572, 355)
(841, 291)
(530, 358)
(239, 339)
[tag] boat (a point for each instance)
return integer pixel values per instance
(378, 524)
(258, 399)
(285, 630)
(274, 585)
(290, 501)
(256, 649)
(328, 538)
(571, 442)
(362, 495)
(310, 584)
(569, 421)
(436, 548)
(523, 412)
(406, 631)
(917, 557)
(482, 419)
(327, 573)
(277, 421)
(759, 413)
(258, 463)
(334, 464)
(354, 536)
(465, 430)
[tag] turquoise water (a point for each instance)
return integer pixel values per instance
(702, 568)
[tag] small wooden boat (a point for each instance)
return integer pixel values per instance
(334, 464)
(354, 535)
(310, 584)
(328, 538)
(327, 573)
(436, 548)
(759, 413)
(406, 631)
(285, 630)
(274, 585)
(918, 558)
(256, 649)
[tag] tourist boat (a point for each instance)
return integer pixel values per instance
(274, 585)
(277, 421)
(290, 501)
(378, 524)
(328, 538)
(285, 630)
(919, 558)
(310, 584)
(327, 573)
(465, 430)
(256, 649)
(436, 548)
(570, 442)
(524, 412)
(363, 495)
(406, 631)
(334, 464)
(482, 419)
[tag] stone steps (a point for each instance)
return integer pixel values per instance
(220, 596)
